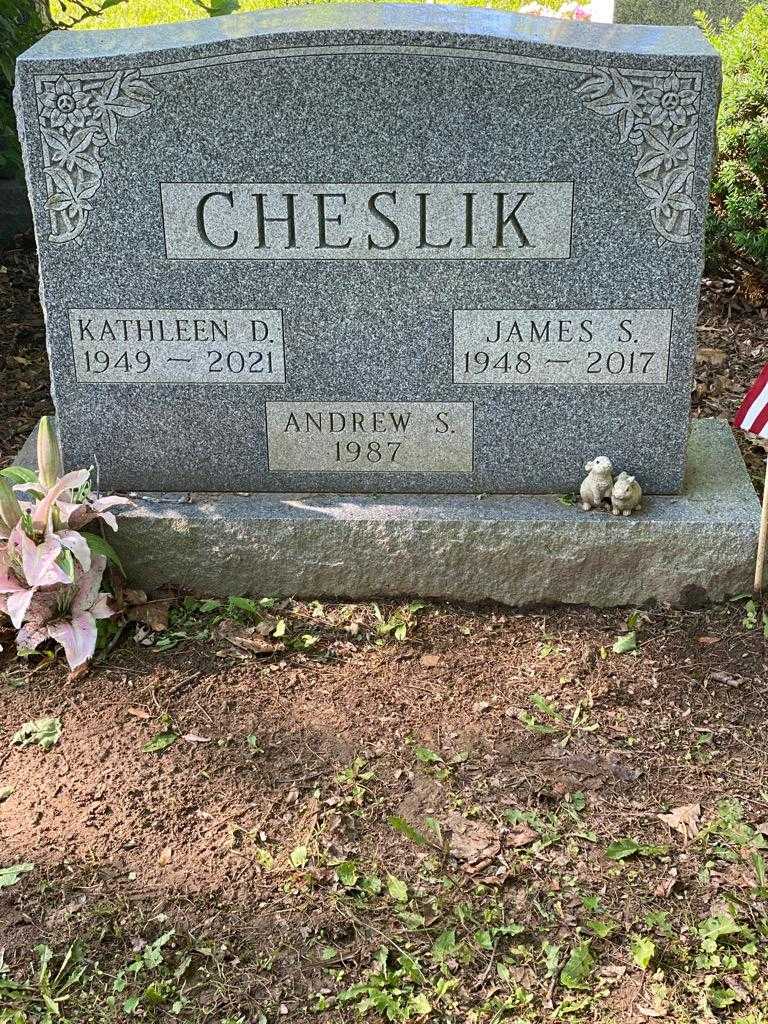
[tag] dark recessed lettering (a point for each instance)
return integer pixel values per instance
(202, 230)
(510, 218)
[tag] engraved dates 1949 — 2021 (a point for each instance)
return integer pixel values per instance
(183, 346)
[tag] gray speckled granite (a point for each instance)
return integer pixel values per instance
(392, 94)
(682, 549)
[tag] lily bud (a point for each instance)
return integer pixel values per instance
(49, 463)
(10, 509)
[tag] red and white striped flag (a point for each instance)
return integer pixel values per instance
(753, 411)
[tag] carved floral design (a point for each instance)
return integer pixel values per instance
(657, 114)
(79, 118)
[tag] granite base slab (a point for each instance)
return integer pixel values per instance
(518, 549)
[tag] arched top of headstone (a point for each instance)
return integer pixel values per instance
(425, 21)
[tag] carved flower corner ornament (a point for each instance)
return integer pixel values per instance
(657, 114)
(79, 118)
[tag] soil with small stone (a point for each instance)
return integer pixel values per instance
(326, 811)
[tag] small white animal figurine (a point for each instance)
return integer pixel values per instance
(596, 488)
(626, 496)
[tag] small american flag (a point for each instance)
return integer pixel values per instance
(753, 411)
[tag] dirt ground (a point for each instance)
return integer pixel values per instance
(322, 811)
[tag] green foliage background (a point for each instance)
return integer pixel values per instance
(738, 220)
(21, 23)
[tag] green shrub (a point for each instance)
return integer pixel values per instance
(738, 219)
(21, 23)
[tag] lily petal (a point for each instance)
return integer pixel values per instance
(39, 561)
(72, 481)
(88, 586)
(100, 608)
(17, 605)
(78, 638)
(78, 545)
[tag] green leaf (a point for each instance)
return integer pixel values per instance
(544, 705)
(254, 746)
(347, 874)
(533, 724)
(19, 475)
(626, 644)
(159, 742)
(397, 889)
(551, 957)
(131, 1003)
(406, 829)
(152, 956)
(427, 756)
(445, 945)
(643, 950)
(420, 1005)
(623, 848)
(750, 615)
(99, 546)
(299, 856)
(602, 929)
(370, 884)
(578, 967)
(244, 605)
(46, 732)
(10, 876)
(303, 642)
(720, 998)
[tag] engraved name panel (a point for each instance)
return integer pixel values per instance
(389, 221)
(182, 346)
(370, 437)
(561, 346)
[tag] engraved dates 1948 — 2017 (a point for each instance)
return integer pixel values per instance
(561, 346)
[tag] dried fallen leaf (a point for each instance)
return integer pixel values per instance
(711, 356)
(684, 819)
(430, 660)
(139, 713)
(726, 679)
(472, 842)
(166, 855)
(192, 737)
(521, 835)
(152, 613)
(255, 645)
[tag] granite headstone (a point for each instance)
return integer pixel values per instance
(370, 248)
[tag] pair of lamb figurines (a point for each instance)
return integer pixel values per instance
(624, 493)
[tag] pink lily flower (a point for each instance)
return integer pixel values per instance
(41, 514)
(81, 515)
(15, 597)
(69, 616)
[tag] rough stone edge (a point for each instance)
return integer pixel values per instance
(517, 549)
